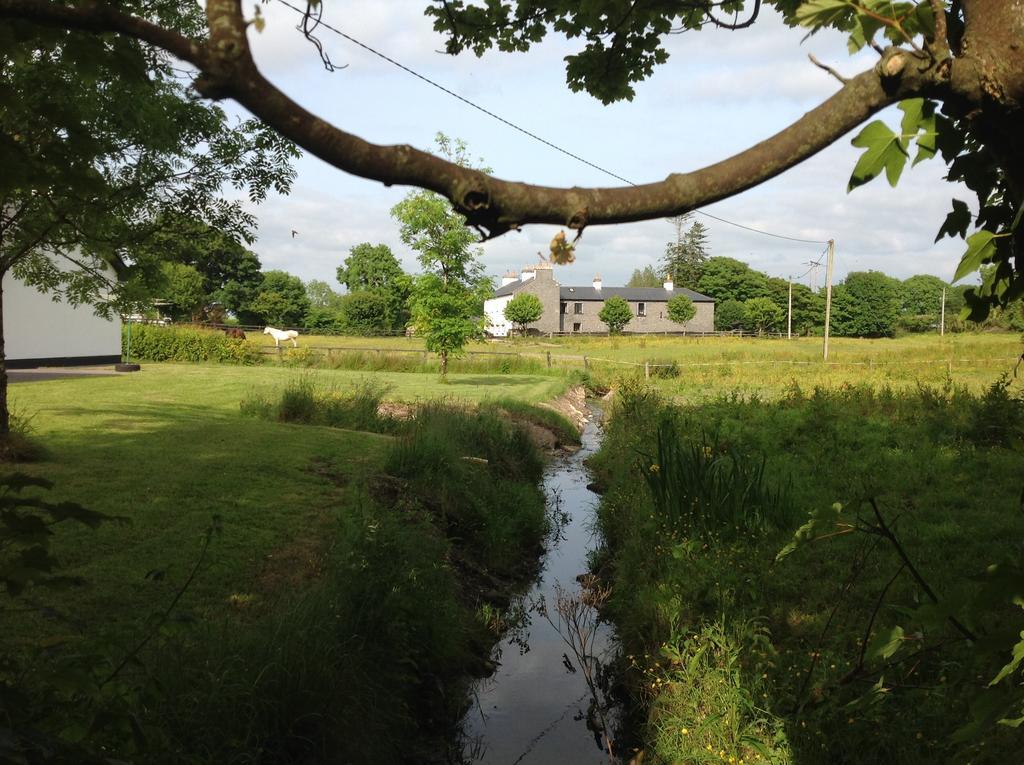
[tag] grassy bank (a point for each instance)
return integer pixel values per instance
(852, 648)
(337, 611)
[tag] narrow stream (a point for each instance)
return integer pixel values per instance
(534, 709)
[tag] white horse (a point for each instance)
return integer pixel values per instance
(282, 334)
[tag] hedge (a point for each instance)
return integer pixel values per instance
(153, 342)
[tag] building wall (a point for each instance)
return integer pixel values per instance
(656, 319)
(39, 330)
(494, 313)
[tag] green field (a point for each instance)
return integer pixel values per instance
(693, 367)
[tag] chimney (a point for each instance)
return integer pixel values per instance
(669, 286)
(510, 277)
(527, 273)
(597, 282)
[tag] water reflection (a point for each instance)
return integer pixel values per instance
(547, 701)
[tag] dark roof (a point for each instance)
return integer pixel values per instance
(508, 289)
(643, 294)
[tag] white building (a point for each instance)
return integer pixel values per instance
(39, 331)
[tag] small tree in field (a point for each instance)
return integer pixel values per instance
(523, 309)
(681, 309)
(762, 314)
(615, 314)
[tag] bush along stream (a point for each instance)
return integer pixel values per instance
(832, 577)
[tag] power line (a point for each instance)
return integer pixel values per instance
(526, 132)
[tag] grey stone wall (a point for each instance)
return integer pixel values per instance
(544, 286)
(655, 320)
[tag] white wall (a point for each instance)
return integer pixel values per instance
(36, 327)
(494, 311)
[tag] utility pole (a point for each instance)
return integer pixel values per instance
(828, 293)
(789, 319)
(942, 321)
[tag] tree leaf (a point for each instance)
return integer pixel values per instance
(980, 247)
(956, 222)
(884, 150)
(884, 646)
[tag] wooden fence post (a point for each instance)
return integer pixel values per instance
(586, 364)
(647, 370)
(549, 359)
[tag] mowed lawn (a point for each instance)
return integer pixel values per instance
(168, 449)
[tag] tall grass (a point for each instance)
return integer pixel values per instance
(310, 401)
(478, 474)
(702, 489)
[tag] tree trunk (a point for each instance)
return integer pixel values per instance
(5, 415)
(444, 364)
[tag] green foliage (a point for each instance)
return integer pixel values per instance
(311, 401)
(447, 300)
(685, 258)
(681, 309)
(364, 313)
(481, 473)
(320, 295)
(616, 313)
(867, 304)
(373, 270)
(701, 492)
(762, 315)
(523, 309)
(647, 277)
(729, 315)
(184, 289)
(152, 342)
(730, 279)
(281, 300)
(848, 644)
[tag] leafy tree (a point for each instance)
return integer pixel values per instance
(523, 309)
(184, 289)
(281, 300)
(101, 143)
(729, 315)
(808, 307)
(867, 305)
(360, 312)
(921, 295)
(447, 299)
(962, 55)
(375, 268)
(645, 278)
(320, 295)
(681, 309)
(616, 314)
(761, 315)
(731, 279)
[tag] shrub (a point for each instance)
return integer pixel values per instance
(153, 342)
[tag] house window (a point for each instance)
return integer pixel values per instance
(576, 326)
(577, 308)
(563, 307)
(641, 309)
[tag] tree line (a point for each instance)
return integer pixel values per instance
(864, 304)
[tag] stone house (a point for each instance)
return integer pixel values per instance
(575, 309)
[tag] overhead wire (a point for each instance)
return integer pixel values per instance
(526, 132)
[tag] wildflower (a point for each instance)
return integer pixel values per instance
(655, 468)
(686, 731)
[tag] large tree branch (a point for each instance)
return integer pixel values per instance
(489, 203)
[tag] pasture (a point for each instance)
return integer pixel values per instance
(693, 368)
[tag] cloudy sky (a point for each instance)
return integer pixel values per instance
(719, 93)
